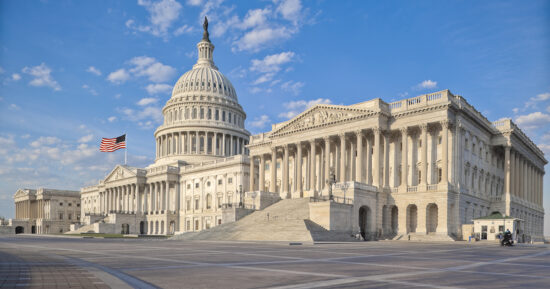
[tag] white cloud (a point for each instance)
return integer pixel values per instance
(255, 18)
(152, 69)
(532, 102)
(162, 15)
(86, 138)
(260, 122)
(112, 119)
(548, 109)
(45, 141)
(427, 84)
(293, 86)
(533, 120)
(15, 77)
(93, 70)
(146, 101)
(146, 117)
(42, 76)
(153, 89)
(296, 107)
(194, 2)
(118, 76)
(271, 63)
(26, 136)
(143, 66)
(264, 78)
(91, 90)
(259, 38)
(13, 106)
(185, 29)
(290, 9)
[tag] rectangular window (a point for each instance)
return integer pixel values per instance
(219, 202)
(202, 113)
(69, 216)
(188, 205)
(439, 174)
(188, 225)
(217, 114)
(219, 182)
(61, 216)
(230, 180)
(223, 115)
(229, 117)
(196, 185)
(196, 204)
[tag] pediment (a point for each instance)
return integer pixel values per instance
(20, 193)
(118, 173)
(320, 115)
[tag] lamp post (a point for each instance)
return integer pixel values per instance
(331, 181)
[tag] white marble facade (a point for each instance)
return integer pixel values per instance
(423, 165)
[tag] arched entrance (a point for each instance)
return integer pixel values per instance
(125, 229)
(162, 227)
(394, 215)
(19, 230)
(33, 229)
(431, 218)
(172, 228)
(364, 219)
(142, 228)
(151, 228)
(412, 211)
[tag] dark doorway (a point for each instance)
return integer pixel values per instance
(19, 230)
(364, 219)
(141, 228)
(33, 229)
(125, 229)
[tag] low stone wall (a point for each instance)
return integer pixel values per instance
(234, 214)
(7, 230)
(331, 216)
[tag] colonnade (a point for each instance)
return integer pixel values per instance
(362, 156)
(23, 209)
(200, 143)
(524, 180)
(151, 198)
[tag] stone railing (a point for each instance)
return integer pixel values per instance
(213, 162)
(412, 189)
(163, 169)
(432, 187)
(422, 100)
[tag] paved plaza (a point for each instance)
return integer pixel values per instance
(59, 262)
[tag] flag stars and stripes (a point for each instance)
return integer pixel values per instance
(113, 144)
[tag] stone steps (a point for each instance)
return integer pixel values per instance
(286, 220)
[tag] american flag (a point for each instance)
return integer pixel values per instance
(113, 144)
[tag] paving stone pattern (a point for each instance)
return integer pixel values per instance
(48, 262)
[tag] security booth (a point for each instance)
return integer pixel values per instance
(494, 225)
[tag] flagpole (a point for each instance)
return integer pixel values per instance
(126, 149)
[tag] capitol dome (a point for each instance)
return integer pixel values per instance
(203, 119)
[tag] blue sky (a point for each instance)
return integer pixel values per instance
(73, 72)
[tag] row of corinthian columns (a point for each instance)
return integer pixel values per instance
(150, 198)
(342, 162)
(523, 179)
(182, 143)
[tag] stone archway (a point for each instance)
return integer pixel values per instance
(142, 227)
(19, 230)
(394, 222)
(412, 212)
(431, 218)
(151, 228)
(172, 228)
(364, 222)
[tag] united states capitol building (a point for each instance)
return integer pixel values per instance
(422, 167)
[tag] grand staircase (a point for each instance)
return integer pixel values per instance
(286, 220)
